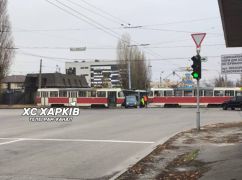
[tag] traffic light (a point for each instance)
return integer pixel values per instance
(196, 74)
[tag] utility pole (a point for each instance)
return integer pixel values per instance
(129, 72)
(40, 73)
(129, 66)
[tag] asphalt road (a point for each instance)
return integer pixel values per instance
(96, 144)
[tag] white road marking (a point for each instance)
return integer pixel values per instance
(9, 142)
(81, 140)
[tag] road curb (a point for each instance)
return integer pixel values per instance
(143, 154)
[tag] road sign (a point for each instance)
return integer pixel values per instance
(231, 64)
(198, 38)
(204, 59)
(78, 49)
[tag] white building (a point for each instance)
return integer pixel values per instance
(96, 72)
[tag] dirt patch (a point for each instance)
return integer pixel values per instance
(184, 167)
(177, 158)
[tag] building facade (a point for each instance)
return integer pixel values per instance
(98, 74)
(14, 82)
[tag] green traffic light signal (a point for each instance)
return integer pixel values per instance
(195, 75)
(196, 67)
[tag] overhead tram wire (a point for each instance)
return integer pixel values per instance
(43, 34)
(110, 48)
(105, 12)
(97, 25)
(181, 22)
(80, 29)
(177, 31)
(114, 20)
(103, 60)
(110, 32)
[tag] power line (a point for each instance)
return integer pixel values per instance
(105, 12)
(181, 22)
(87, 19)
(59, 30)
(177, 31)
(109, 48)
(110, 32)
(96, 13)
(84, 29)
(103, 60)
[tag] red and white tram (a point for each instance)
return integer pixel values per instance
(83, 97)
(187, 96)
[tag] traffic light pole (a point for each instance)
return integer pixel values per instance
(197, 70)
(198, 107)
(198, 97)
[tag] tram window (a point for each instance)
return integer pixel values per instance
(157, 93)
(73, 94)
(178, 93)
(167, 93)
(229, 93)
(218, 93)
(82, 93)
(238, 93)
(54, 94)
(63, 94)
(91, 93)
(187, 93)
(200, 93)
(38, 94)
(120, 94)
(101, 94)
(44, 94)
(151, 93)
(208, 92)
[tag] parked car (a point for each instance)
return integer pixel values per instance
(235, 102)
(130, 101)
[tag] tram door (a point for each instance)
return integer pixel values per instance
(44, 98)
(112, 97)
(72, 98)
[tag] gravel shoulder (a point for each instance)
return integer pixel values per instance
(212, 153)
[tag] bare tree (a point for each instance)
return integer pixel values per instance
(221, 82)
(239, 82)
(140, 74)
(6, 41)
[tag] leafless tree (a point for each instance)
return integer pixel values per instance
(6, 41)
(221, 82)
(140, 73)
(239, 83)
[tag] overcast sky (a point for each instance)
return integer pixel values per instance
(41, 29)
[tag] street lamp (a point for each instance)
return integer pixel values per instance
(149, 74)
(129, 61)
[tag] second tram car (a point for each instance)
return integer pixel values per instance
(187, 96)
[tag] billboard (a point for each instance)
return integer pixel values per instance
(231, 64)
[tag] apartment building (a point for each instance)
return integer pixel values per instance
(98, 73)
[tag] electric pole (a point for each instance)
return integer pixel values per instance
(40, 72)
(129, 73)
